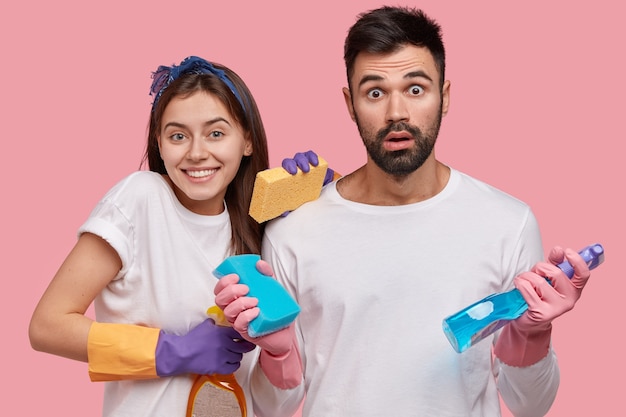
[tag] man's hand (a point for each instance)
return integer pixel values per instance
(549, 293)
(280, 356)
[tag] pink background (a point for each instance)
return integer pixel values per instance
(537, 110)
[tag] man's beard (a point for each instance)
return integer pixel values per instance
(402, 162)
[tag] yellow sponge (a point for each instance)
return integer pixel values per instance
(277, 191)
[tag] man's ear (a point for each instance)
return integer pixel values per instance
(348, 98)
(445, 97)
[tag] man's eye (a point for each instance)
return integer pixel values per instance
(416, 90)
(375, 93)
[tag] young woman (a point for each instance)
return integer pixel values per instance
(146, 253)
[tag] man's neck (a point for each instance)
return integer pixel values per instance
(370, 185)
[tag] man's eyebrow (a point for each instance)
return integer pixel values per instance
(418, 74)
(408, 75)
(369, 78)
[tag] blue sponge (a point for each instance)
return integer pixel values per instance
(278, 308)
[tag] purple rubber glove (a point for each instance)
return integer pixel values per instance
(302, 160)
(207, 349)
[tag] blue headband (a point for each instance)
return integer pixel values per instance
(163, 76)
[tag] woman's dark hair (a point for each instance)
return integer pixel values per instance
(246, 232)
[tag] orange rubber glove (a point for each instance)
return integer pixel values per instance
(119, 351)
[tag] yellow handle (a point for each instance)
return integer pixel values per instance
(217, 315)
(225, 382)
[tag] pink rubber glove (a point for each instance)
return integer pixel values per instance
(280, 357)
(526, 340)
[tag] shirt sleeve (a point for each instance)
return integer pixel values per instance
(271, 401)
(109, 223)
(528, 391)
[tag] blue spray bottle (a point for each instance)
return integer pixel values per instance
(477, 321)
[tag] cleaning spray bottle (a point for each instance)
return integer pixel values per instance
(216, 395)
(277, 311)
(477, 321)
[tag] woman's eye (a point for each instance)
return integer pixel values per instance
(177, 136)
(416, 90)
(216, 134)
(375, 93)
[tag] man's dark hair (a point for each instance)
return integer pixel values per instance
(388, 29)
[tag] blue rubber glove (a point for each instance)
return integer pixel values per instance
(207, 349)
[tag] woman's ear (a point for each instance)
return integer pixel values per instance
(247, 150)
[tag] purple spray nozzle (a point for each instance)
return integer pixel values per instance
(593, 256)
